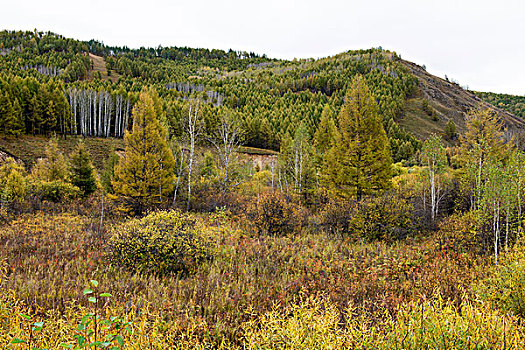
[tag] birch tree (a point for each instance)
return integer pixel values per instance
(193, 132)
(178, 154)
(434, 158)
(227, 139)
(482, 140)
(491, 200)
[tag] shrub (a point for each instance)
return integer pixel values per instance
(315, 323)
(274, 214)
(161, 243)
(462, 232)
(334, 216)
(55, 191)
(387, 217)
(311, 323)
(505, 288)
(53, 167)
(13, 183)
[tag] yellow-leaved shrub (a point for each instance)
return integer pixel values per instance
(162, 242)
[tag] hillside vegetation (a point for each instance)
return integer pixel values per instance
(510, 103)
(68, 86)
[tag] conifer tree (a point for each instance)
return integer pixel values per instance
(53, 167)
(10, 116)
(81, 171)
(324, 135)
(450, 130)
(359, 162)
(144, 176)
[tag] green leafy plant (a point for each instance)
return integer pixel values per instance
(504, 289)
(32, 328)
(96, 332)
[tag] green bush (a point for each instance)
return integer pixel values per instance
(387, 218)
(505, 288)
(161, 243)
(55, 191)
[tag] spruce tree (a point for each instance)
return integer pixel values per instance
(81, 171)
(144, 175)
(450, 130)
(359, 162)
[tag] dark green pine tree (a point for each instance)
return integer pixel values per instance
(359, 162)
(450, 130)
(81, 171)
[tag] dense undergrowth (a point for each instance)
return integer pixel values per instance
(303, 290)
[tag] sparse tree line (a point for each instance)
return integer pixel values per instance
(98, 113)
(511, 103)
(30, 107)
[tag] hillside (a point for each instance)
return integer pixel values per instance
(510, 103)
(98, 66)
(29, 148)
(450, 101)
(255, 204)
(92, 88)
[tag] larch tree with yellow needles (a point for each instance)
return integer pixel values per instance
(144, 176)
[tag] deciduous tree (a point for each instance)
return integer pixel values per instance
(144, 175)
(359, 162)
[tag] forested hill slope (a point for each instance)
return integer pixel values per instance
(511, 103)
(51, 84)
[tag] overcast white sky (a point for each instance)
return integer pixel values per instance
(479, 43)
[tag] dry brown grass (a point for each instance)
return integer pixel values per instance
(51, 258)
(99, 65)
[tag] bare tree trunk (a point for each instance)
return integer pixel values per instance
(126, 120)
(193, 116)
(226, 140)
(179, 175)
(100, 97)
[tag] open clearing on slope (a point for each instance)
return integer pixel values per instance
(99, 65)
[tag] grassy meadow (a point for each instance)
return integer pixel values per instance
(303, 290)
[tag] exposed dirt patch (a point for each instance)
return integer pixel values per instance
(99, 65)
